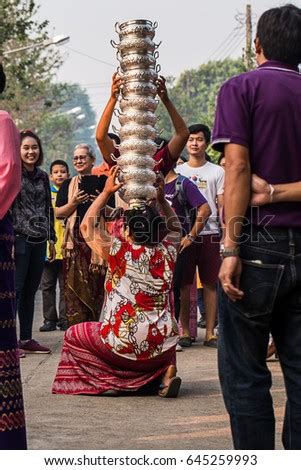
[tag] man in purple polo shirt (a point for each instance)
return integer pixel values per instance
(257, 125)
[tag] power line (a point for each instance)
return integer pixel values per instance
(90, 57)
(233, 46)
(225, 42)
(230, 44)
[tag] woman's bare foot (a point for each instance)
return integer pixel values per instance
(169, 374)
(170, 383)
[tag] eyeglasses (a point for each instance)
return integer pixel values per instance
(80, 159)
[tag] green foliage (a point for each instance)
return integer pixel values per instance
(31, 97)
(62, 130)
(194, 93)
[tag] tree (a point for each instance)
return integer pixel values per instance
(31, 97)
(61, 131)
(194, 92)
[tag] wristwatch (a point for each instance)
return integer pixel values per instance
(190, 237)
(228, 252)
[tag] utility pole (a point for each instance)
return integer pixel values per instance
(249, 56)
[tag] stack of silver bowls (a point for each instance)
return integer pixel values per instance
(137, 54)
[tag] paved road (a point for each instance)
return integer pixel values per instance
(195, 420)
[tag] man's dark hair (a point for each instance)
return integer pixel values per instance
(145, 225)
(279, 34)
(196, 128)
(2, 79)
(59, 162)
(28, 133)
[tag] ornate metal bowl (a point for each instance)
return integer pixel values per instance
(137, 131)
(141, 28)
(137, 117)
(143, 75)
(145, 146)
(137, 174)
(139, 88)
(140, 161)
(133, 44)
(135, 60)
(138, 103)
(132, 191)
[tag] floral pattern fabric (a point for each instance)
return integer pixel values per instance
(138, 319)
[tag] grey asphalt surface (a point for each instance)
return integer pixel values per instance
(197, 419)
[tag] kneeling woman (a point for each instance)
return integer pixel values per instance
(134, 347)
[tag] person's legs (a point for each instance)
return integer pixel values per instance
(31, 284)
(22, 258)
(244, 377)
(185, 309)
(268, 278)
(286, 329)
(62, 306)
(183, 278)
(48, 286)
(210, 302)
(208, 263)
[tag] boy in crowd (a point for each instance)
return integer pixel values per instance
(209, 178)
(53, 271)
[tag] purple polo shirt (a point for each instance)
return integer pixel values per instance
(193, 197)
(261, 110)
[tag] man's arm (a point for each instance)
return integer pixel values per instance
(236, 201)
(220, 208)
(179, 139)
(105, 143)
(172, 222)
(265, 193)
(203, 212)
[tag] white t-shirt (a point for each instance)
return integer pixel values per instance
(209, 178)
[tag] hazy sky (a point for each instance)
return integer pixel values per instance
(191, 31)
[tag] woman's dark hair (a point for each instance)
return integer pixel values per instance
(2, 79)
(114, 137)
(145, 225)
(28, 133)
(196, 128)
(279, 34)
(59, 162)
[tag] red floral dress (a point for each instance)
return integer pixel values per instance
(138, 321)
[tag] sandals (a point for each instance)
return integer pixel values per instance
(172, 389)
(185, 341)
(211, 342)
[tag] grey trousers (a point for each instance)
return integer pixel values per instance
(53, 273)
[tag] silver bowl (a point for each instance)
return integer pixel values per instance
(137, 117)
(138, 103)
(139, 88)
(137, 174)
(142, 28)
(145, 146)
(134, 44)
(140, 161)
(135, 60)
(131, 130)
(141, 75)
(137, 192)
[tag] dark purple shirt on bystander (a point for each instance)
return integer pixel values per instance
(261, 110)
(192, 195)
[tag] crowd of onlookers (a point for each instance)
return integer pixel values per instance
(137, 268)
